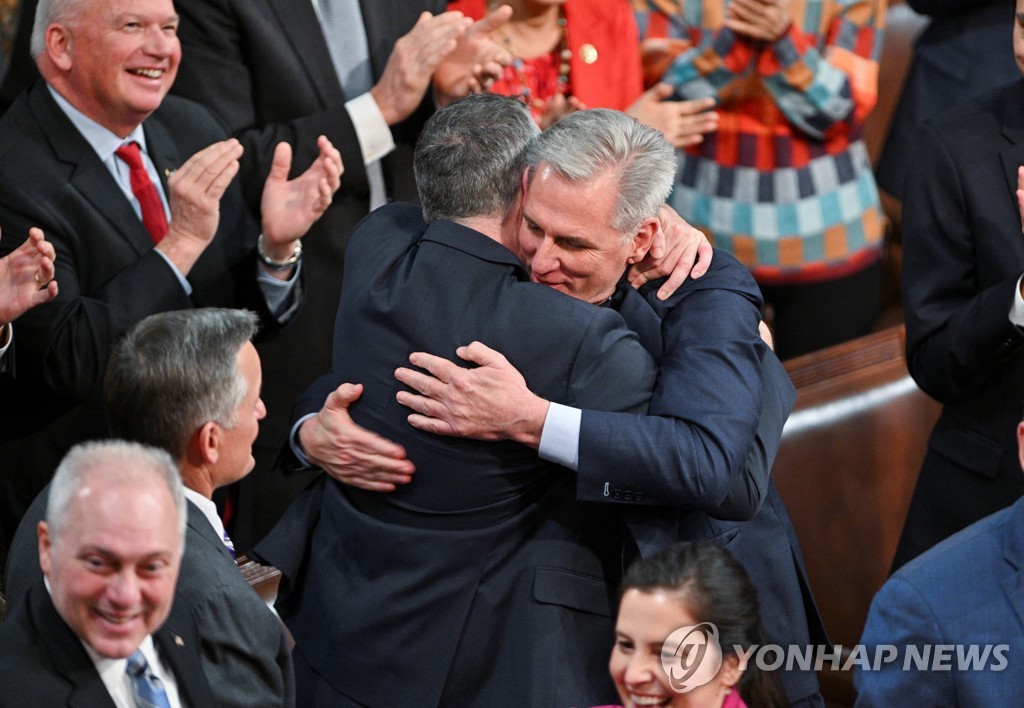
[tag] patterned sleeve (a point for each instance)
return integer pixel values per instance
(822, 74)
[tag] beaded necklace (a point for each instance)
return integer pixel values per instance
(531, 79)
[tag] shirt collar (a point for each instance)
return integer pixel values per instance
(102, 141)
(208, 508)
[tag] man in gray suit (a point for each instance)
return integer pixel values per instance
(188, 381)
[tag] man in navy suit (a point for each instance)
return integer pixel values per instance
(110, 549)
(687, 455)
(967, 591)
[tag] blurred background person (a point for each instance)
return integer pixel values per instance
(682, 586)
(963, 259)
(785, 183)
(567, 55)
(962, 54)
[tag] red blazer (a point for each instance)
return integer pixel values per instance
(612, 80)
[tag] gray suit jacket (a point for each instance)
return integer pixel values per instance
(245, 652)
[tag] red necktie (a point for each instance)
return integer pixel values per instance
(145, 191)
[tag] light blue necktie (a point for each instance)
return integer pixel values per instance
(345, 33)
(146, 687)
(346, 41)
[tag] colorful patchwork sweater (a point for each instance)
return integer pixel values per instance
(785, 184)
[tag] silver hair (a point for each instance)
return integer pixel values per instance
(119, 462)
(469, 157)
(173, 372)
(48, 12)
(586, 144)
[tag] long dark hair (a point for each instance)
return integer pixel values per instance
(715, 588)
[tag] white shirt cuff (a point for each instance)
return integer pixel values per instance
(1017, 311)
(560, 438)
(373, 132)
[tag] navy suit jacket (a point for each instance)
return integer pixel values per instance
(963, 255)
(484, 582)
(43, 663)
(689, 451)
(968, 590)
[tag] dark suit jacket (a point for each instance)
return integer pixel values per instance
(110, 276)
(689, 451)
(264, 68)
(484, 583)
(43, 663)
(963, 254)
(964, 52)
(245, 652)
(245, 655)
(967, 591)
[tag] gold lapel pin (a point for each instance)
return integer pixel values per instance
(178, 641)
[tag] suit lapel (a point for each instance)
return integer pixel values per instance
(88, 175)
(67, 653)
(200, 526)
(162, 151)
(180, 652)
(299, 22)
(1013, 554)
(1011, 110)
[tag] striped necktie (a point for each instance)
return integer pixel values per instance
(146, 687)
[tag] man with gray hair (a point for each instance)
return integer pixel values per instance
(101, 630)
(188, 382)
(136, 191)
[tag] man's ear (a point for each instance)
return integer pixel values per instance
(57, 45)
(205, 444)
(642, 240)
(45, 546)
